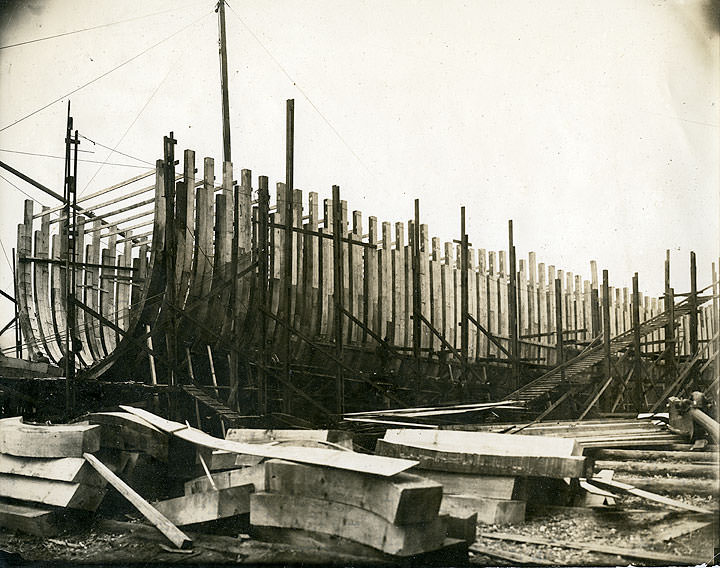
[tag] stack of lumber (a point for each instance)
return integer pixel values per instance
(395, 515)
(43, 474)
(601, 433)
(490, 474)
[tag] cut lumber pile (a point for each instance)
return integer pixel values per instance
(124, 431)
(485, 473)
(291, 436)
(395, 516)
(42, 473)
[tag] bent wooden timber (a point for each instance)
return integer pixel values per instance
(170, 276)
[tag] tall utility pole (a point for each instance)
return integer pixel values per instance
(220, 9)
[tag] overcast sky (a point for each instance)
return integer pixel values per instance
(593, 125)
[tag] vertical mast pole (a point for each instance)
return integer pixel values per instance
(220, 9)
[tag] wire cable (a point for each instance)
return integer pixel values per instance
(96, 143)
(20, 190)
(133, 58)
(63, 157)
(173, 9)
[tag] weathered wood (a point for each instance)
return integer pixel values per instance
(615, 486)
(58, 441)
(126, 431)
(31, 520)
(496, 486)
(489, 510)
(72, 470)
(175, 535)
(401, 499)
(487, 442)
(254, 475)
(693, 457)
(670, 559)
(345, 521)
(444, 458)
(207, 506)
(262, 436)
(51, 492)
(316, 456)
(661, 468)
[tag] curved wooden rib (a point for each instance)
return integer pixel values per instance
(23, 282)
(57, 296)
(42, 289)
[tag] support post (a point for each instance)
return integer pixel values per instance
(693, 301)
(513, 309)
(170, 251)
(338, 279)
(559, 327)
(263, 269)
(669, 300)
(289, 209)
(416, 307)
(464, 300)
(220, 9)
(637, 364)
(606, 325)
(18, 333)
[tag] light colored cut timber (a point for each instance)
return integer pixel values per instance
(207, 506)
(60, 441)
(332, 458)
(489, 511)
(73, 470)
(345, 521)
(440, 458)
(51, 492)
(661, 468)
(497, 486)
(31, 520)
(615, 486)
(175, 535)
(232, 478)
(129, 432)
(262, 436)
(487, 442)
(401, 499)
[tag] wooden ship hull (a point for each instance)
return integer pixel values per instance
(185, 281)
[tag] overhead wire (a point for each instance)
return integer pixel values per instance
(95, 142)
(20, 190)
(105, 74)
(301, 90)
(99, 26)
(41, 155)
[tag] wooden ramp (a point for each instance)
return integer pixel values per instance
(558, 376)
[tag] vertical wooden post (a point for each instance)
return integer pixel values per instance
(463, 292)
(513, 308)
(637, 374)
(263, 275)
(606, 324)
(417, 331)
(670, 346)
(338, 297)
(18, 333)
(559, 325)
(289, 210)
(693, 319)
(594, 303)
(220, 9)
(170, 251)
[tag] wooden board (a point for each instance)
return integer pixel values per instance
(31, 520)
(497, 486)
(126, 431)
(60, 441)
(207, 506)
(73, 470)
(430, 457)
(262, 436)
(345, 521)
(401, 499)
(254, 475)
(332, 458)
(489, 511)
(51, 492)
(486, 442)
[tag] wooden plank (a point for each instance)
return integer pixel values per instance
(58, 441)
(42, 290)
(613, 550)
(487, 442)
(401, 499)
(254, 475)
(514, 557)
(345, 521)
(399, 302)
(332, 458)
(695, 457)
(661, 468)
(207, 506)
(31, 520)
(443, 459)
(72, 470)
(490, 511)
(51, 492)
(615, 486)
(175, 535)
(262, 436)
(496, 486)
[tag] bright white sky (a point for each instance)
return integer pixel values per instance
(593, 125)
